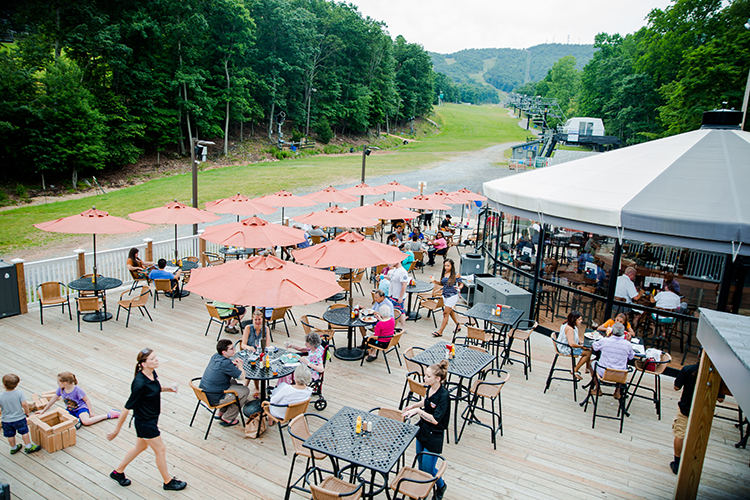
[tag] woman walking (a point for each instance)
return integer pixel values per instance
(145, 401)
(434, 413)
(452, 285)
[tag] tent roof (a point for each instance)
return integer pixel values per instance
(684, 190)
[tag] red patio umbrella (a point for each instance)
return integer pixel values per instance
(447, 198)
(384, 210)
(91, 222)
(284, 199)
(468, 195)
(421, 202)
(396, 187)
(336, 217)
(363, 190)
(263, 282)
(331, 195)
(175, 213)
(253, 232)
(239, 205)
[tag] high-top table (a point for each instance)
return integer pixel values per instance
(101, 285)
(417, 287)
(343, 317)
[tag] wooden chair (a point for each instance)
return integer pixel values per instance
(521, 333)
(419, 261)
(346, 287)
(51, 295)
(299, 430)
(203, 401)
(139, 302)
(482, 390)
(215, 318)
(414, 483)
(357, 280)
(432, 304)
(369, 231)
(278, 314)
(213, 259)
(87, 305)
(87, 293)
(192, 259)
(320, 326)
(332, 487)
(292, 411)
(611, 378)
(315, 240)
(656, 370)
(165, 286)
(392, 346)
(475, 336)
(139, 277)
(559, 349)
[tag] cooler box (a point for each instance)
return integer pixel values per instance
(494, 290)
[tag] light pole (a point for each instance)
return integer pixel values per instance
(747, 92)
(309, 99)
(366, 150)
(195, 144)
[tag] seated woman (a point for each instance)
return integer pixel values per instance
(621, 318)
(384, 330)
(252, 332)
(393, 240)
(568, 336)
(287, 394)
(137, 267)
(439, 247)
(315, 352)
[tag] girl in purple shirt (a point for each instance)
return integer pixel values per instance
(76, 401)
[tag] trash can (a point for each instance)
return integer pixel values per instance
(472, 263)
(9, 305)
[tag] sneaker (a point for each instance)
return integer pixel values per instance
(79, 424)
(113, 414)
(370, 359)
(120, 478)
(440, 492)
(31, 449)
(175, 485)
(231, 329)
(16, 449)
(674, 466)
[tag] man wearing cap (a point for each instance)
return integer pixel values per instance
(446, 224)
(616, 351)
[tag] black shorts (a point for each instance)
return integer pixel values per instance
(146, 429)
(378, 343)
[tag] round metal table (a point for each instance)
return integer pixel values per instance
(186, 266)
(237, 252)
(343, 317)
(418, 287)
(102, 284)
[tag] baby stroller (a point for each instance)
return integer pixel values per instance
(317, 385)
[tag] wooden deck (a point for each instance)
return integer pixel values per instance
(548, 451)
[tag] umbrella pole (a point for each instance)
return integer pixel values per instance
(461, 228)
(263, 333)
(94, 280)
(175, 243)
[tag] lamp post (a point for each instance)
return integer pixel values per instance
(309, 99)
(747, 92)
(195, 143)
(366, 150)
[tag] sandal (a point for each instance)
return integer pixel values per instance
(436, 334)
(458, 329)
(224, 423)
(578, 375)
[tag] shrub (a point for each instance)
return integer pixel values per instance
(21, 191)
(323, 130)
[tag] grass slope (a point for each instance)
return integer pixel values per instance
(463, 128)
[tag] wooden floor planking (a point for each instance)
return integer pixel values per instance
(548, 449)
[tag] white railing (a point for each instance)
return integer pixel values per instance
(109, 263)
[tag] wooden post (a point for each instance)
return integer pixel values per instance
(23, 300)
(699, 427)
(81, 261)
(149, 257)
(201, 248)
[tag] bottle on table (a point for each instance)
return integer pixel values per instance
(358, 428)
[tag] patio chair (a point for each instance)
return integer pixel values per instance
(332, 487)
(481, 390)
(432, 304)
(51, 295)
(460, 310)
(656, 369)
(299, 430)
(139, 302)
(521, 333)
(165, 286)
(618, 379)
(357, 280)
(392, 346)
(203, 401)
(417, 389)
(345, 285)
(559, 349)
(278, 314)
(378, 272)
(419, 261)
(215, 318)
(213, 259)
(320, 326)
(139, 279)
(474, 337)
(292, 411)
(315, 240)
(392, 414)
(89, 293)
(87, 305)
(414, 483)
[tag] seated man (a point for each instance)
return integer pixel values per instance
(316, 231)
(162, 274)
(220, 375)
(446, 224)
(382, 303)
(616, 351)
(232, 315)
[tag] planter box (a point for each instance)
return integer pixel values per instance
(38, 403)
(54, 430)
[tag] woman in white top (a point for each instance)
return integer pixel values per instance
(568, 336)
(286, 394)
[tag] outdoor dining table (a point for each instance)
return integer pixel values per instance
(101, 284)
(377, 449)
(417, 287)
(343, 317)
(260, 372)
(466, 364)
(185, 265)
(237, 252)
(507, 318)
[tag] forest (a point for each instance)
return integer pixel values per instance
(89, 84)
(691, 57)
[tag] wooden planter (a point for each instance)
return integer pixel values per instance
(54, 430)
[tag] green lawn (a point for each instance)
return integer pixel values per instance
(463, 128)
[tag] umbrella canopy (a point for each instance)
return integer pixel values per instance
(253, 232)
(351, 250)
(284, 199)
(687, 190)
(467, 195)
(363, 190)
(421, 202)
(384, 210)
(396, 187)
(239, 205)
(448, 198)
(336, 217)
(263, 282)
(330, 195)
(91, 222)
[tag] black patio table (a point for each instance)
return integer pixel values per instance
(237, 252)
(466, 364)
(343, 317)
(377, 450)
(417, 287)
(260, 372)
(186, 265)
(100, 285)
(507, 318)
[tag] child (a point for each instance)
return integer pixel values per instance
(15, 410)
(76, 401)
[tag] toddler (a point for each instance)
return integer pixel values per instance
(76, 401)
(15, 410)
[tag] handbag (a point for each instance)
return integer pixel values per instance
(256, 426)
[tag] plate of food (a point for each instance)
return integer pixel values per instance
(289, 358)
(369, 319)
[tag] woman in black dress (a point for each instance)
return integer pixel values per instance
(145, 401)
(434, 413)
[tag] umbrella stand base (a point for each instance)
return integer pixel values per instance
(413, 316)
(353, 354)
(94, 317)
(181, 295)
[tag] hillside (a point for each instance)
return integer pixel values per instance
(506, 69)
